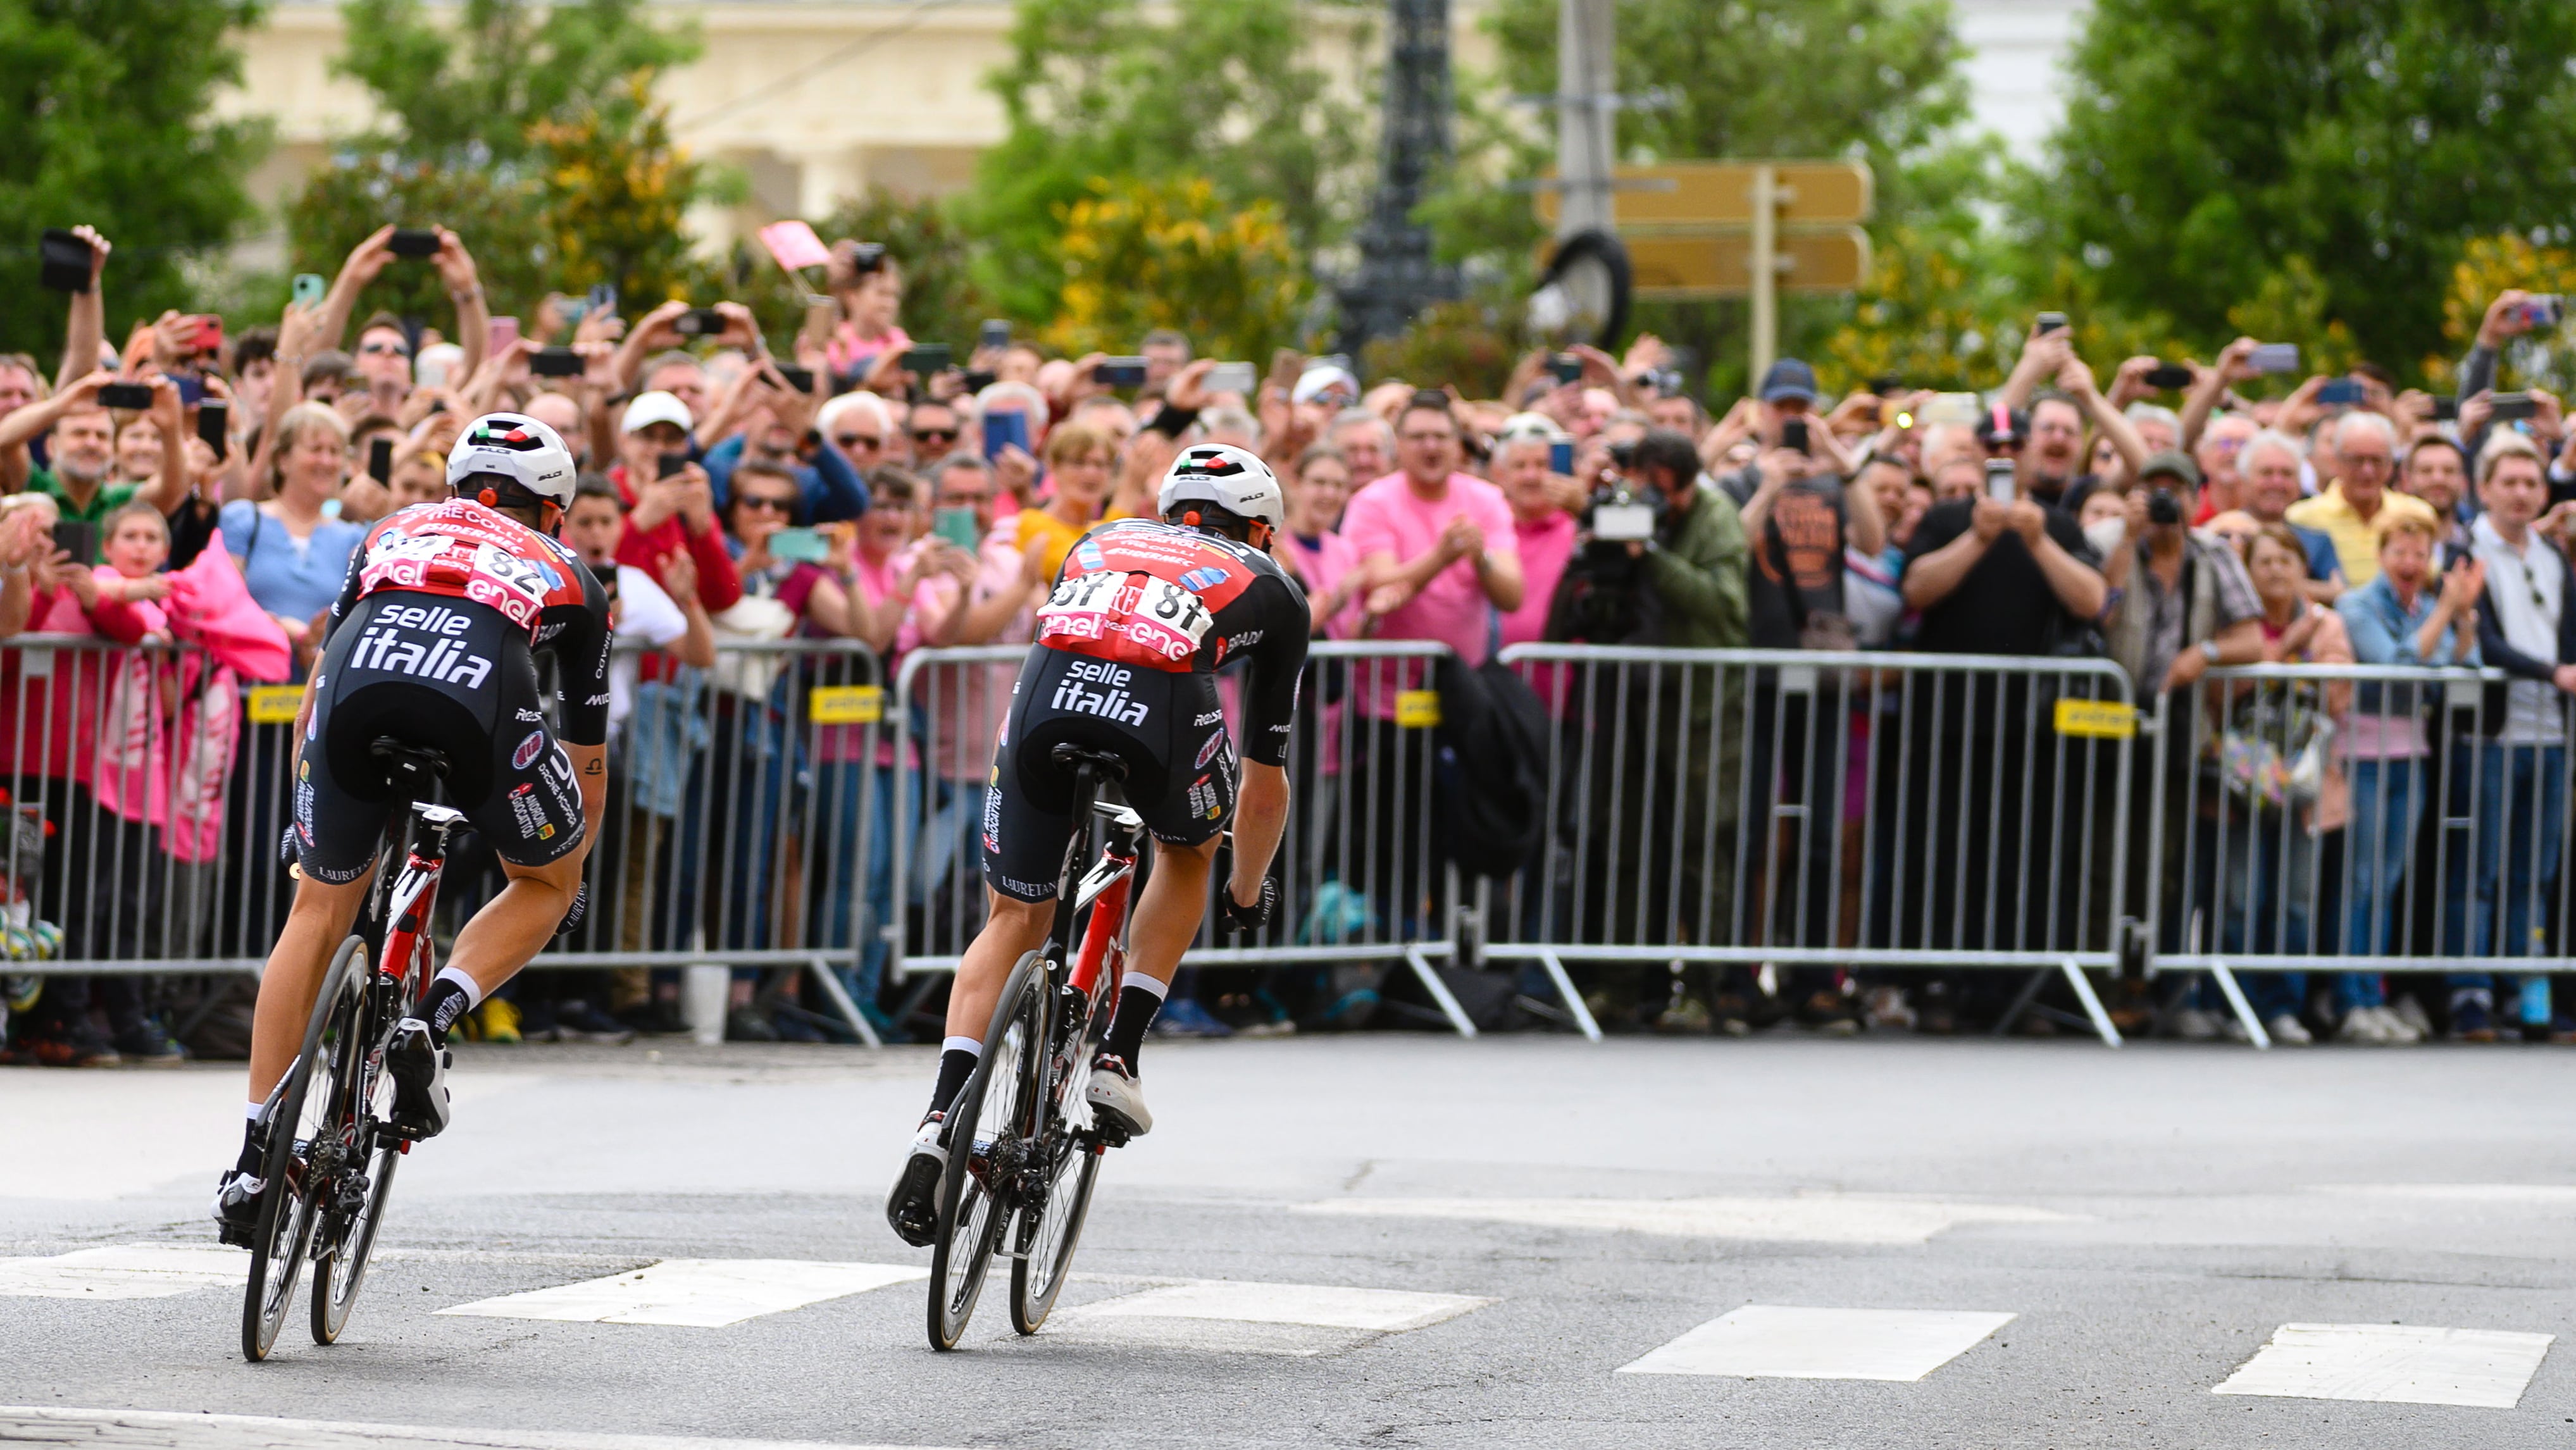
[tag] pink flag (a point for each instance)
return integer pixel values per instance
(794, 244)
(211, 606)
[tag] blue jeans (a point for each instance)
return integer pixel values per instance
(2266, 863)
(859, 852)
(2519, 797)
(2376, 846)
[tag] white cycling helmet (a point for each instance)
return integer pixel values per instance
(1234, 479)
(518, 449)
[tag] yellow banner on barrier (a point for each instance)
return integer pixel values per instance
(1417, 709)
(2097, 719)
(846, 704)
(275, 704)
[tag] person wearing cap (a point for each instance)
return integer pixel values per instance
(2188, 603)
(674, 513)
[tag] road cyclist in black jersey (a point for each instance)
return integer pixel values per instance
(1142, 616)
(431, 651)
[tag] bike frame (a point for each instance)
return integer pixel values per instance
(1087, 979)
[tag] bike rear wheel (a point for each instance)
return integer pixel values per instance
(1051, 1228)
(984, 1148)
(347, 1233)
(288, 1204)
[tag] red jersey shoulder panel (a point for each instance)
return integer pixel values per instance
(464, 550)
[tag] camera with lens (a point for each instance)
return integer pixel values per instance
(2163, 507)
(1602, 597)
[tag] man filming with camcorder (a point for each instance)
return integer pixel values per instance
(1660, 561)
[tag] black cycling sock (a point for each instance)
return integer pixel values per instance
(253, 1157)
(1136, 1009)
(956, 1065)
(445, 1003)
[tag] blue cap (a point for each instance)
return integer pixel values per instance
(1789, 378)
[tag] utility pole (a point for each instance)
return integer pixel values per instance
(1397, 277)
(1587, 102)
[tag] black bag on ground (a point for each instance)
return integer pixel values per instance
(1491, 797)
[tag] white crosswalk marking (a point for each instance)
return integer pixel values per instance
(2393, 1363)
(697, 1293)
(1769, 1341)
(125, 1271)
(1241, 1317)
(1818, 1218)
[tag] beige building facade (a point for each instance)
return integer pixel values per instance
(813, 101)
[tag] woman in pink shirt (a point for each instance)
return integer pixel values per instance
(1313, 549)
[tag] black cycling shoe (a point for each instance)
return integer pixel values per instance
(418, 1066)
(236, 1210)
(912, 1209)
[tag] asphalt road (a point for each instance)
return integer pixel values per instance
(1376, 1240)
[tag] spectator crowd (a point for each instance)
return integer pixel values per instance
(751, 500)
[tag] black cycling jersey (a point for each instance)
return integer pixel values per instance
(1162, 597)
(433, 642)
(465, 551)
(1129, 643)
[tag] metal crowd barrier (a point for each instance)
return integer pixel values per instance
(746, 807)
(1358, 879)
(2358, 819)
(1754, 807)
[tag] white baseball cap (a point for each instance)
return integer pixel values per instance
(1321, 378)
(654, 407)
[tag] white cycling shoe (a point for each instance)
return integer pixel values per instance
(1117, 1101)
(912, 1209)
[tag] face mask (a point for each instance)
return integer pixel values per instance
(2105, 534)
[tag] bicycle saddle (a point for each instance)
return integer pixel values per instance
(1108, 762)
(412, 769)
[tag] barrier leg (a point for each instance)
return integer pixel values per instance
(841, 1003)
(2102, 1026)
(1416, 958)
(1573, 999)
(2021, 1003)
(2243, 1009)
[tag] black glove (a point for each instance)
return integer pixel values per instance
(580, 909)
(1240, 918)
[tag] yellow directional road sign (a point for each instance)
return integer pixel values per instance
(1720, 194)
(1683, 268)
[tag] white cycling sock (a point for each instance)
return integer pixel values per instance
(465, 984)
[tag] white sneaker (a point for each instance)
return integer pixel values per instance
(1886, 1007)
(1117, 1102)
(2192, 1025)
(2288, 1031)
(912, 1208)
(2410, 1016)
(2361, 1025)
(2402, 1030)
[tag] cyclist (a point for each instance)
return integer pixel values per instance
(1143, 614)
(432, 642)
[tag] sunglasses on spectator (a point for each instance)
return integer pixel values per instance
(770, 502)
(384, 349)
(869, 441)
(934, 435)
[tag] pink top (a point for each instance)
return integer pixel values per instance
(1387, 517)
(1545, 547)
(1322, 565)
(967, 702)
(849, 353)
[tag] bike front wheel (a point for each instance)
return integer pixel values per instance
(289, 1203)
(346, 1236)
(987, 1141)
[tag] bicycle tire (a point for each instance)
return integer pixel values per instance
(1047, 1245)
(971, 1221)
(286, 1210)
(340, 1259)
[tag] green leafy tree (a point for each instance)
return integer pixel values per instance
(1145, 254)
(471, 88)
(1219, 89)
(531, 131)
(104, 119)
(1879, 80)
(2331, 158)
